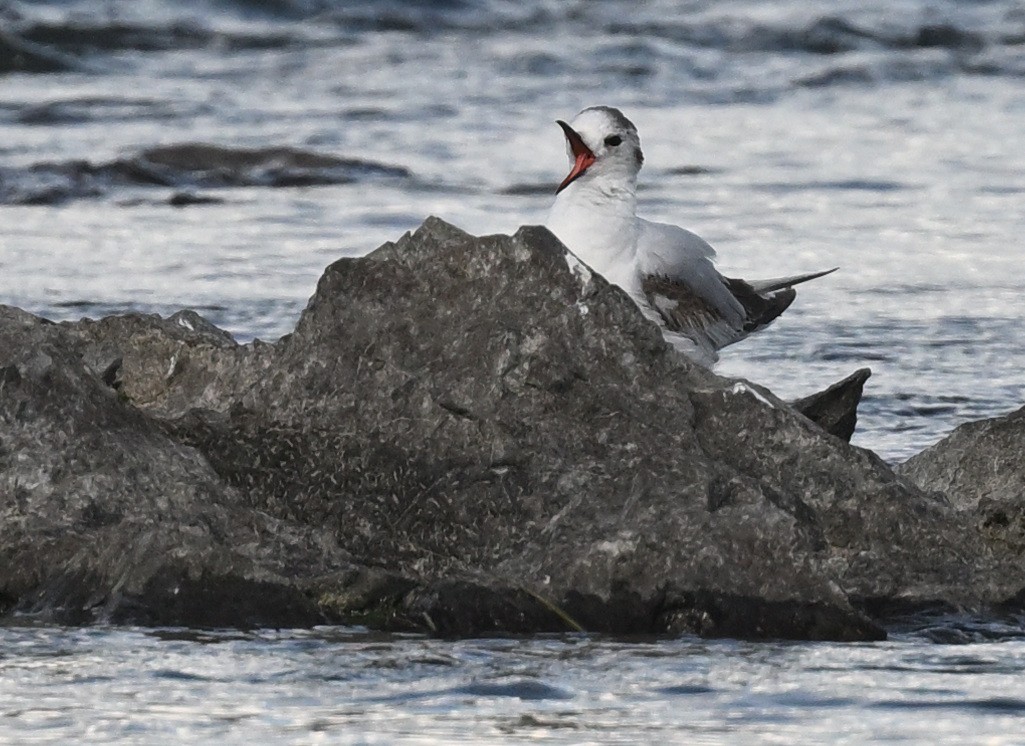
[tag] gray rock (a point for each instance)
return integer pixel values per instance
(483, 435)
(18, 55)
(184, 167)
(980, 468)
(105, 517)
(835, 409)
(979, 461)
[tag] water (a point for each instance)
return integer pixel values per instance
(347, 686)
(884, 137)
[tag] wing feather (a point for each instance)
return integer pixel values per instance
(683, 257)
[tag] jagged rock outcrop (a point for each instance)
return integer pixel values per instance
(835, 409)
(980, 468)
(103, 515)
(979, 461)
(469, 435)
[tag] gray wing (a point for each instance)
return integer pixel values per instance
(686, 312)
(683, 257)
(778, 283)
(680, 282)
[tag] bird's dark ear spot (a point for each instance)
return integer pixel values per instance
(613, 140)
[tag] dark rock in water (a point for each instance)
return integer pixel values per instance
(188, 199)
(980, 468)
(18, 55)
(185, 167)
(468, 435)
(213, 165)
(979, 461)
(835, 410)
(106, 517)
(99, 35)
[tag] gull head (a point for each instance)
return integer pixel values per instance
(601, 142)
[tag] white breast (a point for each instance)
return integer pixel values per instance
(602, 231)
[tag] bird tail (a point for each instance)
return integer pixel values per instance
(778, 283)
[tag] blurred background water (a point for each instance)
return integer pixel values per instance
(346, 686)
(883, 136)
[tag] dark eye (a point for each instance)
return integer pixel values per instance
(613, 140)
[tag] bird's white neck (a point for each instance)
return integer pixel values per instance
(611, 195)
(595, 217)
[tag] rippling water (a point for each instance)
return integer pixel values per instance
(346, 686)
(883, 137)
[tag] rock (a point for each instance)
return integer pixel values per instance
(980, 468)
(835, 409)
(199, 164)
(485, 436)
(105, 517)
(186, 167)
(979, 461)
(18, 55)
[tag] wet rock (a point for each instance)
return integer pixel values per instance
(184, 168)
(103, 517)
(18, 55)
(200, 164)
(835, 409)
(980, 468)
(495, 439)
(978, 461)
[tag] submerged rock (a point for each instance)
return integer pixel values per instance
(468, 435)
(18, 55)
(186, 167)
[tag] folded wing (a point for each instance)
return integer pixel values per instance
(680, 283)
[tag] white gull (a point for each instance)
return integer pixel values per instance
(666, 270)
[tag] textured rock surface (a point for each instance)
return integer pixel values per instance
(835, 410)
(980, 467)
(979, 461)
(103, 516)
(467, 435)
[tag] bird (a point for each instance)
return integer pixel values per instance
(668, 271)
